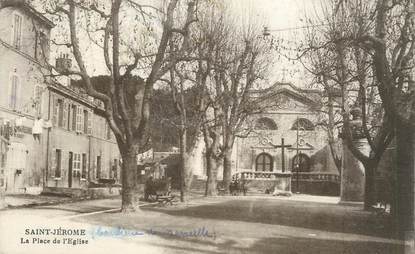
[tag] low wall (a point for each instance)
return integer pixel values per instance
(101, 192)
(321, 188)
(277, 185)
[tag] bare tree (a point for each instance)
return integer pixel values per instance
(244, 62)
(343, 66)
(127, 104)
(392, 45)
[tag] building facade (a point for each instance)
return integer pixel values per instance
(56, 135)
(285, 139)
(81, 146)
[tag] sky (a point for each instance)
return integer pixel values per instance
(286, 15)
(277, 15)
(284, 19)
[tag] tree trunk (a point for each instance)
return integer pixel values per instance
(227, 170)
(212, 171)
(370, 193)
(130, 193)
(185, 176)
(186, 166)
(405, 167)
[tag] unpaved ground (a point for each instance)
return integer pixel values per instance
(210, 225)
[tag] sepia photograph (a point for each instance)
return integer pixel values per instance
(207, 126)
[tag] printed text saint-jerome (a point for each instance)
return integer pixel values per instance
(55, 231)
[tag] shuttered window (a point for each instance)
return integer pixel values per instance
(60, 112)
(55, 110)
(85, 123)
(14, 88)
(76, 161)
(79, 117)
(65, 114)
(89, 123)
(38, 99)
(69, 119)
(74, 114)
(17, 31)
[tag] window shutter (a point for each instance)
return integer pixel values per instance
(90, 115)
(55, 110)
(64, 161)
(53, 168)
(13, 92)
(78, 118)
(81, 120)
(38, 98)
(74, 161)
(65, 114)
(86, 165)
(69, 108)
(17, 31)
(73, 117)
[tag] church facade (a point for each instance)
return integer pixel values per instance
(286, 140)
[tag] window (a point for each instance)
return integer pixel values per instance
(38, 100)
(265, 123)
(58, 163)
(89, 122)
(74, 113)
(83, 172)
(303, 124)
(98, 167)
(76, 161)
(79, 121)
(13, 92)
(68, 115)
(264, 162)
(301, 163)
(17, 31)
(86, 119)
(60, 113)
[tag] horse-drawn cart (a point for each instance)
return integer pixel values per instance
(159, 190)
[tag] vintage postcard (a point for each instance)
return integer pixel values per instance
(207, 126)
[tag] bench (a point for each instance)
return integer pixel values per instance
(166, 199)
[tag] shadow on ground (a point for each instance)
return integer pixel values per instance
(284, 245)
(326, 217)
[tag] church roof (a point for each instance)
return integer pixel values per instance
(307, 96)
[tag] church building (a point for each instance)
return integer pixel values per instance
(286, 140)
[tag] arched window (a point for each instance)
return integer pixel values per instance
(264, 162)
(301, 162)
(265, 123)
(303, 124)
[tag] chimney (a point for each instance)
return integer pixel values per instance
(63, 63)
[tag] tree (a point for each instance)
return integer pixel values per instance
(240, 67)
(392, 44)
(127, 104)
(189, 105)
(342, 65)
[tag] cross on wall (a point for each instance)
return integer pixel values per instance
(282, 146)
